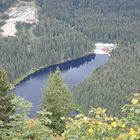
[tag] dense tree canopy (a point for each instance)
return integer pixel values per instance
(106, 21)
(5, 4)
(5, 98)
(57, 100)
(109, 86)
(69, 28)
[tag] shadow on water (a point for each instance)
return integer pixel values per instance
(76, 63)
(73, 72)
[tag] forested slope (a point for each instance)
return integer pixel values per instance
(4, 4)
(59, 42)
(55, 41)
(69, 29)
(54, 121)
(109, 86)
(108, 21)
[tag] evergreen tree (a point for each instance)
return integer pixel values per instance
(5, 98)
(57, 100)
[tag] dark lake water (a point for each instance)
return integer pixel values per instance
(73, 72)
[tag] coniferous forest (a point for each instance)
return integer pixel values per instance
(5, 4)
(69, 29)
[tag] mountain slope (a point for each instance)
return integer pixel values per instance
(69, 28)
(109, 86)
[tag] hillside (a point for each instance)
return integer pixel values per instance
(54, 121)
(68, 29)
(48, 42)
(106, 105)
(104, 21)
(109, 86)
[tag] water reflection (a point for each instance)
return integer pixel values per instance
(73, 72)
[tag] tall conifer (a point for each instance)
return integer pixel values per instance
(5, 98)
(57, 100)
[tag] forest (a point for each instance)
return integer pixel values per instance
(55, 121)
(5, 4)
(110, 85)
(108, 102)
(69, 29)
(49, 42)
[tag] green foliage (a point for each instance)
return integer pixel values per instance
(109, 86)
(57, 100)
(20, 26)
(68, 29)
(4, 85)
(5, 4)
(21, 127)
(58, 43)
(102, 126)
(97, 125)
(106, 21)
(5, 98)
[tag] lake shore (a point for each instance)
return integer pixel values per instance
(34, 71)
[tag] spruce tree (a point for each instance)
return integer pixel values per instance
(57, 100)
(5, 98)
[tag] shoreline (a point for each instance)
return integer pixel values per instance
(34, 71)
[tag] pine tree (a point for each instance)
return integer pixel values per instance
(5, 98)
(57, 100)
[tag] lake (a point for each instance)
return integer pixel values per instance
(73, 72)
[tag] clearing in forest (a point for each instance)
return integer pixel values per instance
(21, 12)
